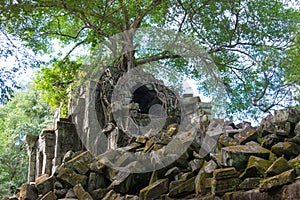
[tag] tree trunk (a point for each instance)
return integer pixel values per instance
(143, 98)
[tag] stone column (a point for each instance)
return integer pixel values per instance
(66, 139)
(46, 152)
(31, 142)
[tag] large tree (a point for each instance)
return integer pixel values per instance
(245, 39)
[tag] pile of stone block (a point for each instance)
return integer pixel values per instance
(246, 163)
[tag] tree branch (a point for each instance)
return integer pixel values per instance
(156, 58)
(125, 13)
(73, 48)
(138, 20)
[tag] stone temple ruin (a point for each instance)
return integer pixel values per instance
(46, 151)
(223, 161)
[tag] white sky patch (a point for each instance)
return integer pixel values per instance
(190, 87)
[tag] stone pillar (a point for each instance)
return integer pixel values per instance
(66, 140)
(46, 152)
(31, 142)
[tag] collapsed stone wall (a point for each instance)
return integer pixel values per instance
(247, 163)
(46, 150)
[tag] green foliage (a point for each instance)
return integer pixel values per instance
(247, 41)
(54, 83)
(25, 114)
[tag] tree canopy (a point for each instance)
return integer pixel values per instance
(251, 42)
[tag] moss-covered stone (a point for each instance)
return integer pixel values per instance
(154, 190)
(249, 183)
(295, 161)
(98, 193)
(245, 136)
(288, 149)
(112, 195)
(217, 157)
(225, 173)
(183, 189)
(44, 184)
(220, 187)
(49, 196)
(68, 176)
(195, 164)
(256, 167)
(96, 181)
(201, 181)
(81, 194)
(280, 165)
(278, 180)
(237, 156)
(171, 173)
(227, 141)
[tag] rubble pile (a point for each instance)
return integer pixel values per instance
(246, 163)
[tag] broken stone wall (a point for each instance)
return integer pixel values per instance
(46, 151)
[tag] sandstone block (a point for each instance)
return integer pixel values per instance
(280, 165)
(154, 190)
(237, 156)
(182, 189)
(49, 196)
(27, 191)
(68, 176)
(278, 180)
(44, 184)
(288, 149)
(81, 193)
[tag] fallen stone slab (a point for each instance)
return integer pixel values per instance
(249, 183)
(278, 180)
(227, 141)
(112, 195)
(70, 177)
(256, 167)
(81, 193)
(44, 184)
(247, 135)
(225, 173)
(154, 190)
(183, 189)
(280, 165)
(288, 149)
(220, 187)
(248, 195)
(81, 162)
(49, 196)
(237, 156)
(98, 193)
(27, 191)
(286, 115)
(203, 182)
(291, 191)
